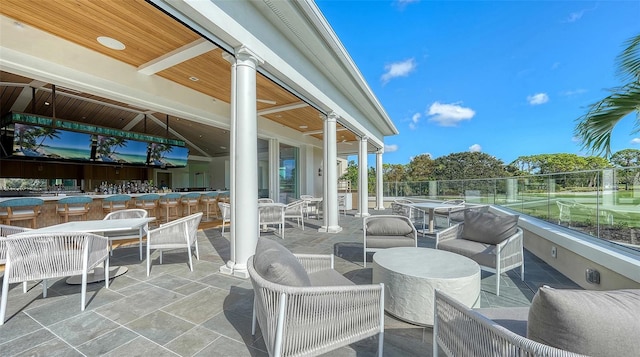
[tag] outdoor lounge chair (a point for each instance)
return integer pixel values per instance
(387, 231)
(305, 308)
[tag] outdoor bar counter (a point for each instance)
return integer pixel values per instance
(48, 215)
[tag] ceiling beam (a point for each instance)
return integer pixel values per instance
(283, 108)
(179, 55)
(315, 132)
(133, 122)
(163, 124)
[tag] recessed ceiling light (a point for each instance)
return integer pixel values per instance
(46, 103)
(278, 116)
(303, 127)
(195, 79)
(223, 147)
(111, 43)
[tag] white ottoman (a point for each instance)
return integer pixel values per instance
(410, 276)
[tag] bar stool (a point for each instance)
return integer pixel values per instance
(115, 203)
(73, 206)
(149, 203)
(210, 200)
(169, 202)
(190, 201)
(20, 209)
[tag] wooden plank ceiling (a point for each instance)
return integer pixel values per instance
(148, 34)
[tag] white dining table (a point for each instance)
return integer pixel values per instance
(98, 226)
(431, 208)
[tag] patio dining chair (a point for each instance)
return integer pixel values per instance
(295, 210)
(6, 231)
(179, 233)
(271, 215)
(132, 234)
(46, 256)
(446, 212)
(225, 213)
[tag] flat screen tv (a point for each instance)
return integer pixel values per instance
(120, 150)
(167, 156)
(41, 142)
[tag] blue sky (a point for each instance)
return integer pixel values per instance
(508, 78)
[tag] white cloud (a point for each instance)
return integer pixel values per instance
(398, 69)
(555, 65)
(538, 98)
(575, 16)
(449, 114)
(390, 148)
(475, 148)
(635, 141)
(570, 93)
(414, 121)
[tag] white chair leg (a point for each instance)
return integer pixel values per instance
(190, 259)
(83, 297)
(160, 256)
(106, 273)
(25, 287)
(197, 251)
(497, 284)
(522, 272)
(44, 288)
(380, 343)
(253, 318)
(3, 303)
(148, 261)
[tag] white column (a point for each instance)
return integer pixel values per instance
(363, 179)
(330, 172)
(274, 170)
(244, 227)
(379, 180)
(228, 267)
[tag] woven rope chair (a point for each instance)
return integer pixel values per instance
(225, 213)
(272, 215)
(6, 231)
(265, 200)
(296, 210)
(460, 331)
(308, 321)
(132, 234)
(43, 256)
(180, 233)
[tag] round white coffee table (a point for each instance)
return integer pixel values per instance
(410, 276)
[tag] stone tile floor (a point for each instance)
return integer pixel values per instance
(176, 312)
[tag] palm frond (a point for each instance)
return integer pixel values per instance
(594, 128)
(629, 60)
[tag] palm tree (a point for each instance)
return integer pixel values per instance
(594, 128)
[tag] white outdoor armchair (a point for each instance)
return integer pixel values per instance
(225, 213)
(180, 233)
(33, 256)
(311, 320)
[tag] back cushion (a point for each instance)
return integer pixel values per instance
(489, 228)
(594, 323)
(278, 265)
(389, 226)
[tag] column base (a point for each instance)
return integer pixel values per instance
(362, 214)
(330, 229)
(380, 208)
(237, 270)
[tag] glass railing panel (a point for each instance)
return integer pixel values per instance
(601, 203)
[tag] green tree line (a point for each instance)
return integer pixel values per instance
(479, 165)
